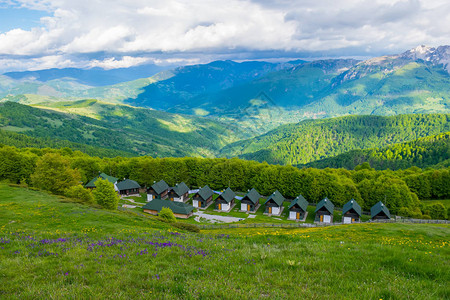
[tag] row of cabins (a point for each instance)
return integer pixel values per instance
(203, 198)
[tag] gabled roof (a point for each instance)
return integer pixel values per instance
(329, 206)
(253, 196)
(91, 184)
(160, 186)
(379, 207)
(176, 207)
(301, 202)
(276, 197)
(127, 184)
(352, 204)
(180, 189)
(205, 192)
(228, 195)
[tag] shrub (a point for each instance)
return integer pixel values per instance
(80, 193)
(437, 211)
(167, 214)
(404, 212)
(54, 174)
(187, 226)
(105, 195)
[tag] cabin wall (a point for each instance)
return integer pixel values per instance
(275, 209)
(149, 211)
(245, 202)
(380, 216)
(182, 216)
(322, 216)
(293, 213)
(350, 217)
(129, 192)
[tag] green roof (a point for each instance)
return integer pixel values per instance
(301, 202)
(276, 197)
(205, 192)
(228, 195)
(352, 204)
(127, 184)
(180, 189)
(160, 186)
(379, 207)
(91, 184)
(253, 196)
(325, 203)
(176, 207)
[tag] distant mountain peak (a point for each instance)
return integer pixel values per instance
(437, 56)
(420, 52)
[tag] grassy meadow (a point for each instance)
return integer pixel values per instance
(51, 247)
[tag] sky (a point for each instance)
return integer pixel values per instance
(41, 34)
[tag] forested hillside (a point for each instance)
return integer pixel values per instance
(124, 128)
(312, 140)
(430, 151)
(399, 190)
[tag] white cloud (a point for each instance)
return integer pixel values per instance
(144, 28)
(124, 62)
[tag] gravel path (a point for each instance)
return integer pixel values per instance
(215, 218)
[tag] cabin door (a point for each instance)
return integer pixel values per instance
(270, 209)
(248, 207)
(298, 216)
(321, 218)
(171, 198)
(220, 206)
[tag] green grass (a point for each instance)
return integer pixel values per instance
(52, 248)
(446, 202)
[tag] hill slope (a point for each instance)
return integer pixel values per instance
(133, 130)
(68, 250)
(317, 139)
(424, 152)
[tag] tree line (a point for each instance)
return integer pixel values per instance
(58, 170)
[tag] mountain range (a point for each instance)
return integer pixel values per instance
(227, 108)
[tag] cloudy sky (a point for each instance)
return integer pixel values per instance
(38, 34)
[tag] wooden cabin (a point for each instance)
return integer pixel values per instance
(298, 208)
(179, 193)
(274, 204)
(324, 211)
(91, 184)
(226, 200)
(128, 187)
(203, 197)
(158, 190)
(351, 213)
(250, 201)
(179, 209)
(379, 212)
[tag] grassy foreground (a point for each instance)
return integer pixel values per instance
(52, 248)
